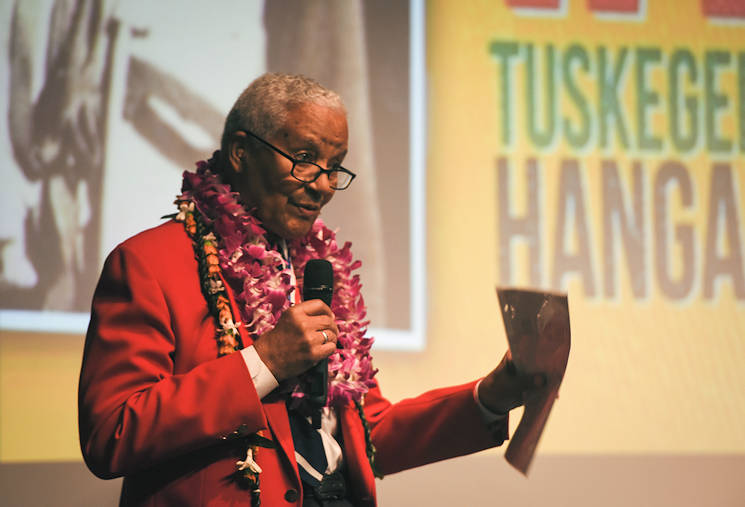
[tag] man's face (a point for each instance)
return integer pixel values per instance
(289, 207)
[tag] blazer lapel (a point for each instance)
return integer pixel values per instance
(279, 423)
(361, 478)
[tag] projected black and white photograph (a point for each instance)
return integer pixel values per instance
(107, 103)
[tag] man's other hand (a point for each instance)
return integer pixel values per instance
(506, 388)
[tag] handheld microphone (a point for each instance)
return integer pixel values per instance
(318, 283)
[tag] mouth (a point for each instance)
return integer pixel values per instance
(306, 208)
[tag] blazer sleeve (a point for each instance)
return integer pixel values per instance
(135, 409)
(437, 425)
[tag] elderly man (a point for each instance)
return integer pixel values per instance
(195, 373)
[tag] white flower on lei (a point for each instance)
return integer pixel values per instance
(249, 463)
(185, 207)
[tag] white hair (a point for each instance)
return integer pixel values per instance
(262, 107)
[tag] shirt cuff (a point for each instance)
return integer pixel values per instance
(262, 377)
(486, 414)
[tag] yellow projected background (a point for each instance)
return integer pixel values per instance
(635, 207)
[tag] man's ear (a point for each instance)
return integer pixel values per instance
(236, 150)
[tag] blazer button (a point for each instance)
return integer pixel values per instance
(291, 495)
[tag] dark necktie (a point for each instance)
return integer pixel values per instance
(309, 447)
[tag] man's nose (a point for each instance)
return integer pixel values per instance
(322, 185)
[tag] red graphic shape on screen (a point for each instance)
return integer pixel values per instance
(534, 4)
(623, 6)
(723, 8)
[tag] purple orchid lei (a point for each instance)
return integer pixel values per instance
(248, 262)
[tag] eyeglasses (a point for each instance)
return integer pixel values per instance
(308, 172)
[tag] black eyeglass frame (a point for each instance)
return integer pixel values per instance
(321, 170)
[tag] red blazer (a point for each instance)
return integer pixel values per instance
(157, 406)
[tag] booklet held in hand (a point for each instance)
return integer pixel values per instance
(537, 327)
